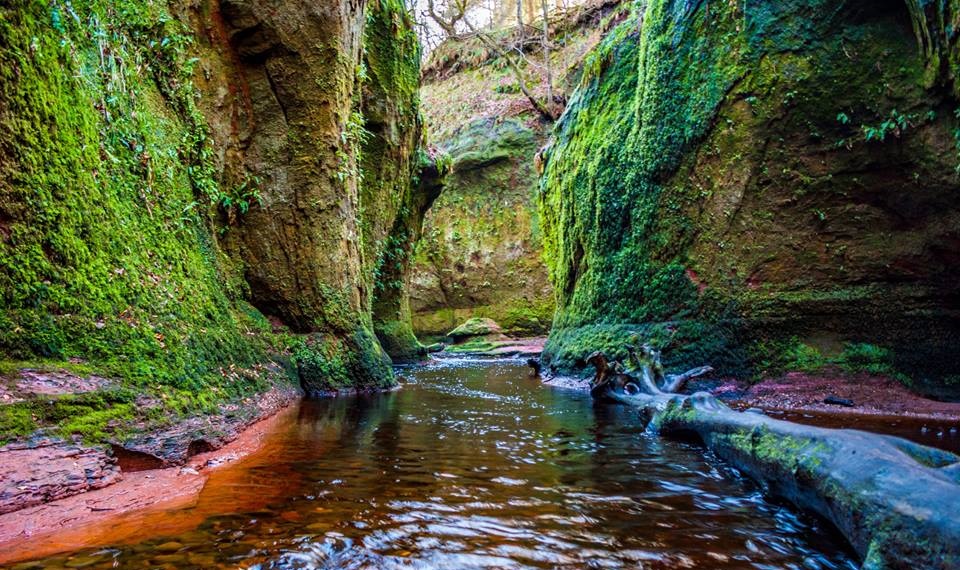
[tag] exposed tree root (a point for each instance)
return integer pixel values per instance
(896, 502)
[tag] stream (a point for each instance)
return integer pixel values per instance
(473, 464)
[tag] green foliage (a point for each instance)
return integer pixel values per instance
(791, 355)
(95, 259)
(871, 359)
(606, 232)
(239, 199)
(109, 200)
(15, 421)
(92, 416)
(322, 365)
(471, 347)
(685, 345)
(775, 357)
(673, 191)
(327, 363)
(896, 124)
(350, 154)
(106, 250)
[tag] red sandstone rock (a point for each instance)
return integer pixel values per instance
(52, 470)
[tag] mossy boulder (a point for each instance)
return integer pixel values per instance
(730, 176)
(476, 329)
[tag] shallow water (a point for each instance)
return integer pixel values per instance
(939, 433)
(473, 465)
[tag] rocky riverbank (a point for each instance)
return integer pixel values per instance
(49, 467)
(115, 499)
(835, 393)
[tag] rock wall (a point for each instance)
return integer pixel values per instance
(402, 177)
(184, 197)
(480, 254)
(736, 180)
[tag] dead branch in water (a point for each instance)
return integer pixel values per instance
(895, 501)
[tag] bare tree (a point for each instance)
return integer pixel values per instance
(548, 71)
(456, 14)
(520, 21)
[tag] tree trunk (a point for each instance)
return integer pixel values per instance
(548, 69)
(896, 502)
(520, 31)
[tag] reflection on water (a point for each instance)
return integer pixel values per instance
(476, 465)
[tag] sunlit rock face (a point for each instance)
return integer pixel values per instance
(740, 180)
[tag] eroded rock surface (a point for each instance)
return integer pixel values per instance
(32, 474)
(174, 445)
(190, 189)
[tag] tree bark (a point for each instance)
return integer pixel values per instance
(520, 30)
(548, 69)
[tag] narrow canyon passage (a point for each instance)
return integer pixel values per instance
(473, 464)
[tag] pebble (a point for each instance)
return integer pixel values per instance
(171, 546)
(83, 561)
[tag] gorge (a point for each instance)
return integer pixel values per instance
(212, 211)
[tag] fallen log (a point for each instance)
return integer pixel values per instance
(896, 502)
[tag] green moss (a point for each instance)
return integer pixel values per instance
(86, 415)
(471, 347)
(111, 212)
(680, 187)
(399, 340)
(517, 317)
(787, 355)
(327, 363)
(15, 421)
(105, 254)
(400, 179)
(685, 344)
(10, 368)
(797, 456)
(479, 255)
(526, 318)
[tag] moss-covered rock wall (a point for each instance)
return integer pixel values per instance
(182, 193)
(401, 176)
(480, 253)
(733, 179)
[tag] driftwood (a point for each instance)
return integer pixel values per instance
(896, 502)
